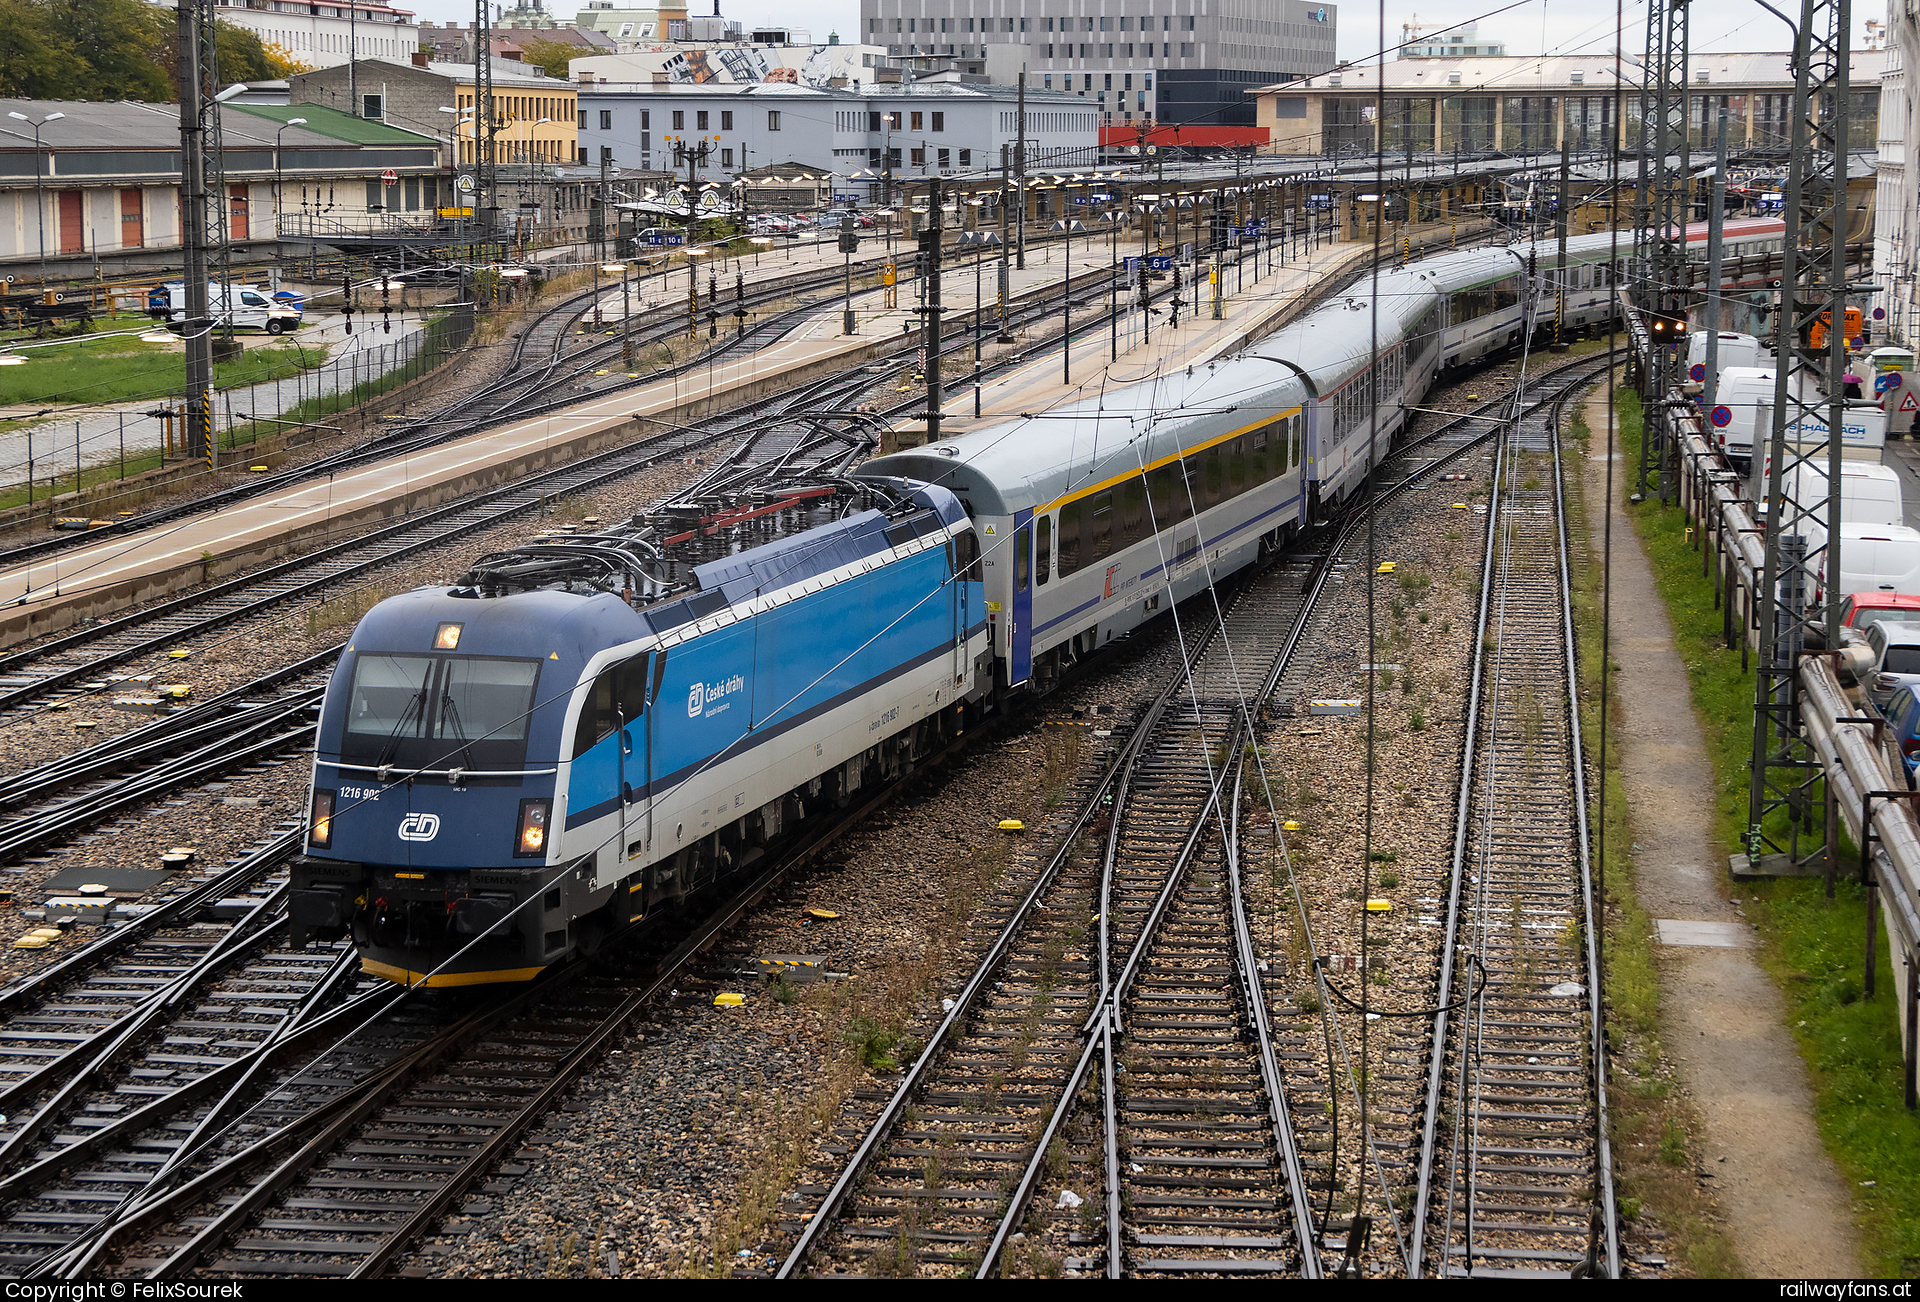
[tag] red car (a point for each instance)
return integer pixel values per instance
(1863, 609)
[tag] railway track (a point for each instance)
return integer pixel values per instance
(364, 1148)
(126, 1057)
(1159, 1006)
(1516, 1173)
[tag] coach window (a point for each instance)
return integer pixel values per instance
(1072, 516)
(1043, 548)
(1100, 540)
(1022, 559)
(1237, 467)
(1216, 476)
(1133, 511)
(1257, 453)
(1168, 495)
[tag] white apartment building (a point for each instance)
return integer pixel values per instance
(322, 35)
(918, 131)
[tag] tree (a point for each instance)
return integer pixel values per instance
(35, 61)
(242, 54)
(551, 57)
(122, 48)
(283, 61)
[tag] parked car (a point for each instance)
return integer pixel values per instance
(1869, 492)
(1896, 659)
(1903, 717)
(248, 308)
(1873, 558)
(1860, 611)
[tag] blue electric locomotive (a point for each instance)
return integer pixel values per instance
(516, 767)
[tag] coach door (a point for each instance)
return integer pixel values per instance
(1020, 645)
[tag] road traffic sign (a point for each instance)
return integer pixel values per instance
(1722, 416)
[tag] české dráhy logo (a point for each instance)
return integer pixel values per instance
(701, 696)
(419, 827)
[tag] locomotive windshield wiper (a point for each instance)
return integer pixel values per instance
(418, 700)
(450, 714)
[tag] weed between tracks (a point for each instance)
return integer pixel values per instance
(1811, 946)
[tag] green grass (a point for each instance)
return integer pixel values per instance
(1814, 947)
(100, 370)
(243, 435)
(1648, 1123)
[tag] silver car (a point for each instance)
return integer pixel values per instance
(1896, 659)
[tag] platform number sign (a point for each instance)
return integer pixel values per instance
(1721, 417)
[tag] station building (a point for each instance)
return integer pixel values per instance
(103, 189)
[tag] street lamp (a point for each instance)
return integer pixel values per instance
(39, 199)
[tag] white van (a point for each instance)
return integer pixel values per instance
(252, 309)
(1869, 493)
(1732, 349)
(1746, 392)
(1874, 558)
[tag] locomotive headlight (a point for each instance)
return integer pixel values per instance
(532, 841)
(447, 637)
(320, 825)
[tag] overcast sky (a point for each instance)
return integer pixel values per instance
(1553, 26)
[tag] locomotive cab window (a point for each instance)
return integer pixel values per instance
(437, 712)
(619, 693)
(966, 555)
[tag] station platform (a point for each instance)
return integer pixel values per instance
(92, 581)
